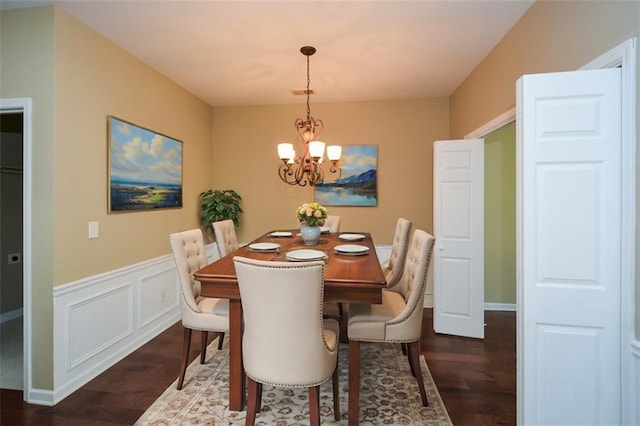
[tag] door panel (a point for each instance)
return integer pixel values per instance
(459, 231)
(569, 239)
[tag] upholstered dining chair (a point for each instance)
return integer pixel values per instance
(226, 238)
(198, 313)
(286, 342)
(393, 267)
(397, 319)
(333, 223)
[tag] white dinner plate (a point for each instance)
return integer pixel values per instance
(351, 249)
(325, 229)
(264, 246)
(281, 234)
(351, 237)
(305, 255)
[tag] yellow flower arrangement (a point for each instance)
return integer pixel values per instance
(311, 214)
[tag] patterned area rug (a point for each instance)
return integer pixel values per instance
(389, 394)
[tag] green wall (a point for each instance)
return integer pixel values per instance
(500, 215)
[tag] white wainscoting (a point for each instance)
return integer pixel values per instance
(101, 319)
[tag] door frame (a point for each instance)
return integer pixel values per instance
(623, 56)
(23, 105)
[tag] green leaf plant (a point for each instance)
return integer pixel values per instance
(216, 205)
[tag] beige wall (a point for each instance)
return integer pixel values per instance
(245, 159)
(551, 36)
(95, 78)
(89, 79)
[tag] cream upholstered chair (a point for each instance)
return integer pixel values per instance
(393, 267)
(286, 342)
(198, 313)
(397, 319)
(226, 238)
(333, 223)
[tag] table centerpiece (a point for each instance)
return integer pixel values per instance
(311, 217)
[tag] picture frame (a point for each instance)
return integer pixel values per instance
(357, 185)
(144, 166)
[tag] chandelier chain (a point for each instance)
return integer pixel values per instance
(308, 92)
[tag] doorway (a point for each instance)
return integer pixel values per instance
(11, 276)
(15, 219)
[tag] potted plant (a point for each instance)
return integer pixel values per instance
(218, 205)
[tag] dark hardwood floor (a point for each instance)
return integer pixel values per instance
(476, 378)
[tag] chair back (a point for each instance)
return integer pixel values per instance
(394, 267)
(284, 342)
(226, 238)
(407, 324)
(190, 255)
(333, 223)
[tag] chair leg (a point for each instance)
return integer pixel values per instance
(252, 402)
(259, 406)
(186, 344)
(203, 346)
(314, 405)
(335, 381)
(406, 353)
(414, 361)
(220, 340)
(354, 383)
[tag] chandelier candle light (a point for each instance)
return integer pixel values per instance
(306, 168)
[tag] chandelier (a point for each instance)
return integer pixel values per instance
(306, 168)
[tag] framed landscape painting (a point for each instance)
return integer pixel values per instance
(145, 168)
(358, 184)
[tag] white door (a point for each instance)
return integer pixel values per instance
(568, 243)
(458, 268)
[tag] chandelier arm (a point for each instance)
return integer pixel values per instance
(287, 175)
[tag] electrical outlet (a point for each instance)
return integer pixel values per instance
(163, 295)
(14, 258)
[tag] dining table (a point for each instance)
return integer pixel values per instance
(350, 277)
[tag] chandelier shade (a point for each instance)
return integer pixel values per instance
(306, 168)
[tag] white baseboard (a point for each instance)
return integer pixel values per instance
(40, 397)
(511, 307)
(8, 316)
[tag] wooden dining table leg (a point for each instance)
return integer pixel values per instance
(236, 367)
(354, 383)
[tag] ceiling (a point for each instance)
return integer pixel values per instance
(240, 52)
